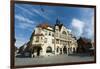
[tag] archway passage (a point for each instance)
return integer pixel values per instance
(37, 50)
(49, 49)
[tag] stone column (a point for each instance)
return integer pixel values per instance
(67, 50)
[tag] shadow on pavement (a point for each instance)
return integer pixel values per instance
(81, 55)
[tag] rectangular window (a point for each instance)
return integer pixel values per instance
(45, 31)
(52, 40)
(37, 39)
(57, 41)
(45, 40)
(52, 34)
(49, 33)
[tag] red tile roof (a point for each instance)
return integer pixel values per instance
(43, 26)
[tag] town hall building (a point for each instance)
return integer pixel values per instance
(47, 40)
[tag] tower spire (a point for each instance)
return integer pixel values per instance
(57, 20)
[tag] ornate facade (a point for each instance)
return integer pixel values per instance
(52, 40)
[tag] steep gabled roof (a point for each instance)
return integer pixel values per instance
(58, 23)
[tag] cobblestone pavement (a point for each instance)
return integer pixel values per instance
(52, 59)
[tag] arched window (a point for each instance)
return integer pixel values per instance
(64, 32)
(49, 49)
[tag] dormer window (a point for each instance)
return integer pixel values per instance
(64, 33)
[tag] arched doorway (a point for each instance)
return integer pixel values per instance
(37, 49)
(65, 50)
(49, 49)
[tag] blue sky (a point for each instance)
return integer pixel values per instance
(78, 19)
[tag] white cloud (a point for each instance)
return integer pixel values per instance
(20, 41)
(31, 12)
(87, 15)
(77, 23)
(83, 28)
(89, 28)
(25, 10)
(21, 18)
(25, 23)
(77, 27)
(25, 26)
